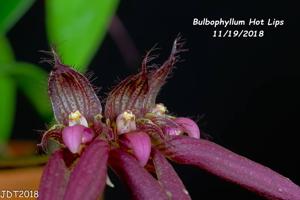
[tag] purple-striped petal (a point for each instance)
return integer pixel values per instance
(129, 94)
(141, 184)
(70, 91)
(140, 144)
(72, 137)
(87, 179)
(151, 128)
(168, 125)
(230, 166)
(157, 78)
(138, 92)
(188, 126)
(168, 177)
(54, 178)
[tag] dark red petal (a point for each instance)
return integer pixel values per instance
(168, 177)
(70, 91)
(87, 179)
(158, 77)
(232, 167)
(54, 178)
(151, 128)
(127, 95)
(141, 184)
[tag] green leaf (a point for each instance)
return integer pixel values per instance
(6, 54)
(77, 27)
(32, 80)
(7, 107)
(7, 93)
(11, 11)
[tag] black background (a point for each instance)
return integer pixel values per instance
(244, 91)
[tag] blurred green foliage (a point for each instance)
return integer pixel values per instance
(11, 11)
(7, 106)
(7, 92)
(75, 27)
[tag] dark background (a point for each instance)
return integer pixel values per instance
(244, 91)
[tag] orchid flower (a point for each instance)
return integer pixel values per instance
(135, 137)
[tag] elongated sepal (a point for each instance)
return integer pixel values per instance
(230, 166)
(140, 144)
(54, 178)
(87, 180)
(188, 126)
(168, 177)
(70, 91)
(141, 184)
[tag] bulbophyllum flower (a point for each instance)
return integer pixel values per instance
(136, 138)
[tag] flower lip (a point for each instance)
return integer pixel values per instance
(77, 132)
(72, 137)
(140, 143)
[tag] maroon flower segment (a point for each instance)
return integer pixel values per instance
(135, 136)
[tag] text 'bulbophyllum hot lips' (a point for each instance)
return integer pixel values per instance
(135, 137)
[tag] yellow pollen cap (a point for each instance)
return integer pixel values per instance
(128, 115)
(75, 115)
